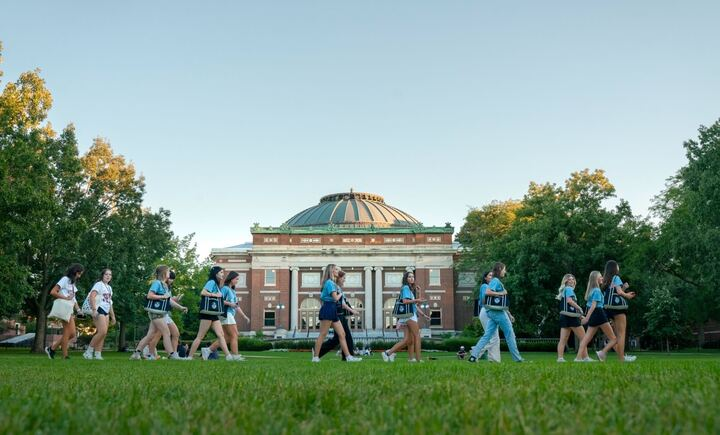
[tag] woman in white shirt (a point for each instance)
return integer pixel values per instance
(65, 289)
(100, 299)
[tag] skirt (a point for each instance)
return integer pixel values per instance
(329, 312)
(612, 313)
(569, 322)
(598, 317)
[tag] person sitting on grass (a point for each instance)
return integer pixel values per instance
(461, 353)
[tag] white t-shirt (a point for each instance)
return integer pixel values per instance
(67, 288)
(105, 293)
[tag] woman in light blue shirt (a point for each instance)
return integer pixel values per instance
(568, 324)
(493, 348)
(229, 324)
(330, 297)
(595, 318)
(211, 289)
(611, 278)
(411, 340)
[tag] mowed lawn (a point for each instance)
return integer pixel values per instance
(278, 392)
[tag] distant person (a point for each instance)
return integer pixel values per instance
(461, 353)
(497, 319)
(159, 290)
(596, 318)
(102, 293)
(611, 279)
(211, 289)
(229, 324)
(66, 289)
(569, 322)
(343, 308)
(330, 295)
(408, 295)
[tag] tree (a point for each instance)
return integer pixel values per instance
(663, 317)
(689, 240)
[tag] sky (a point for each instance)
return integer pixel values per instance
(242, 112)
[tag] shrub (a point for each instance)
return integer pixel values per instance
(253, 344)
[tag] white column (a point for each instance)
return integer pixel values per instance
(294, 308)
(368, 298)
(379, 319)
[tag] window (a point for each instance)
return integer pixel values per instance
(356, 321)
(390, 320)
(352, 240)
(353, 279)
(310, 279)
(393, 279)
(436, 318)
(269, 318)
(242, 280)
(270, 277)
(466, 279)
(434, 276)
(309, 312)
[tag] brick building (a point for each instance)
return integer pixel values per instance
(373, 242)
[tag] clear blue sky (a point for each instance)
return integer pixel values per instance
(242, 112)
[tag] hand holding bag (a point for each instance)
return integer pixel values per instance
(402, 310)
(568, 310)
(157, 306)
(212, 306)
(498, 303)
(62, 309)
(614, 301)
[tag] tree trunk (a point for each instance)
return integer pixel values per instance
(701, 336)
(122, 342)
(40, 323)
(667, 344)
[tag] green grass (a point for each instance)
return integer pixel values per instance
(276, 392)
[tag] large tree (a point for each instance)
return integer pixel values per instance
(688, 250)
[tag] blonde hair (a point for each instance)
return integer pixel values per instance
(327, 274)
(563, 285)
(592, 283)
(161, 272)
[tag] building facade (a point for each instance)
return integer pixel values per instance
(373, 242)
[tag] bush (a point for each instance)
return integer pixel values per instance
(253, 344)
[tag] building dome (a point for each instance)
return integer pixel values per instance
(353, 210)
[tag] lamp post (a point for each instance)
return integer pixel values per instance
(279, 307)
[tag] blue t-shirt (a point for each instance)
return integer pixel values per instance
(158, 288)
(617, 282)
(211, 286)
(328, 288)
(496, 285)
(406, 293)
(230, 296)
(597, 296)
(569, 293)
(483, 289)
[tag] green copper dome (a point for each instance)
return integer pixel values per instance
(353, 209)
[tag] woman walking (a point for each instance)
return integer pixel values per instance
(66, 289)
(611, 280)
(596, 318)
(493, 351)
(569, 320)
(329, 317)
(229, 324)
(332, 343)
(497, 319)
(412, 329)
(207, 321)
(100, 300)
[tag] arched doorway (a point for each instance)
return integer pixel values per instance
(356, 321)
(309, 312)
(389, 320)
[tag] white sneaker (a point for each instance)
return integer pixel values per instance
(205, 353)
(392, 357)
(385, 356)
(98, 356)
(630, 358)
(135, 356)
(601, 355)
(177, 357)
(88, 354)
(229, 357)
(561, 360)
(351, 358)
(146, 352)
(238, 357)
(315, 359)
(413, 360)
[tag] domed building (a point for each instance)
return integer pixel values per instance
(372, 241)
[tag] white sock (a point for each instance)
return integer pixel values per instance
(89, 351)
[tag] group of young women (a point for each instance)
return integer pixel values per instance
(597, 317)
(333, 313)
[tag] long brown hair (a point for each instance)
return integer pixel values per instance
(611, 269)
(497, 268)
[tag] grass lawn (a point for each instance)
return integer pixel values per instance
(277, 392)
